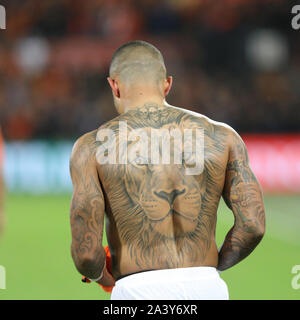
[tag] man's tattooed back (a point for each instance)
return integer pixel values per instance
(159, 215)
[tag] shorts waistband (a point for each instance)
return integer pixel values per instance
(183, 274)
(131, 274)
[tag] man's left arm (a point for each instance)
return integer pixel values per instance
(243, 195)
(87, 210)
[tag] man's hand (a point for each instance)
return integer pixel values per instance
(243, 196)
(107, 280)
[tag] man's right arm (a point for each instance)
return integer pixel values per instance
(87, 212)
(243, 196)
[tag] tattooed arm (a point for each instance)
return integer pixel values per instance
(87, 209)
(243, 196)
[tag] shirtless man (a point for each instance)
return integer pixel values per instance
(160, 218)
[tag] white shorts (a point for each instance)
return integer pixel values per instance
(196, 283)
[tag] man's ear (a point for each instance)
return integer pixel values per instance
(168, 85)
(114, 86)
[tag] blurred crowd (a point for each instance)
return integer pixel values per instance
(235, 61)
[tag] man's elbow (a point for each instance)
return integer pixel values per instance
(84, 265)
(254, 229)
(260, 231)
(88, 263)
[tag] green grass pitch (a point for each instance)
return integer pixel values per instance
(35, 251)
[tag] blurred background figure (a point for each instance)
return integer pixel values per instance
(1, 185)
(236, 61)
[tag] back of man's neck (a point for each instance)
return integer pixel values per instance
(141, 103)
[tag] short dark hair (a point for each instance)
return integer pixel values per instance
(137, 56)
